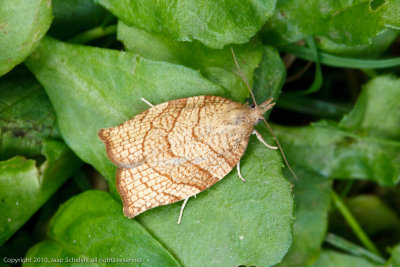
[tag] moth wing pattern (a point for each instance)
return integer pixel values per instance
(124, 143)
(173, 151)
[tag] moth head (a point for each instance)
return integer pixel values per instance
(258, 111)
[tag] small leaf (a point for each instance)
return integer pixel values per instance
(312, 198)
(216, 65)
(214, 23)
(352, 23)
(90, 227)
(106, 84)
(364, 145)
(232, 223)
(24, 187)
(22, 24)
(26, 115)
(330, 258)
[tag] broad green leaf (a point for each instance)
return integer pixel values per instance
(352, 23)
(330, 258)
(214, 23)
(26, 115)
(74, 16)
(232, 222)
(216, 65)
(312, 198)
(90, 227)
(107, 86)
(364, 145)
(24, 187)
(378, 44)
(22, 24)
(92, 88)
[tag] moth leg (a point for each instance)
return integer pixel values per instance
(182, 208)
(147, 102)
(239, 174)
(259, 136)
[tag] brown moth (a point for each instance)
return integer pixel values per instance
(177, 149)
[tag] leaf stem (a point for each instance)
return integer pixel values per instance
(316, 85)
(336, 61)
(349, 184)
(358, 231)
(93, 34)
(343, 244)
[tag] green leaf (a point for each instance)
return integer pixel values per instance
(379, 44)
(26, 115)
(216, 65)
(352, 23)
(22, 24)
(90, 227)
(74, 16)
(376, 113)
(116, 82)
(312, 198)
(332, 152)
(330, 258)
(394, 260)
(232, 222)
(25, 187)
(270, 75)
(214, 23)
(27, 120)
(364, 145)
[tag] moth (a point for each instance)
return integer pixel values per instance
(177, 149)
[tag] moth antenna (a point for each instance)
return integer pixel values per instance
(280, 148)
(243, 77)
(266, 123)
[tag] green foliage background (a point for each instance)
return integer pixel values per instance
(69, 68)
